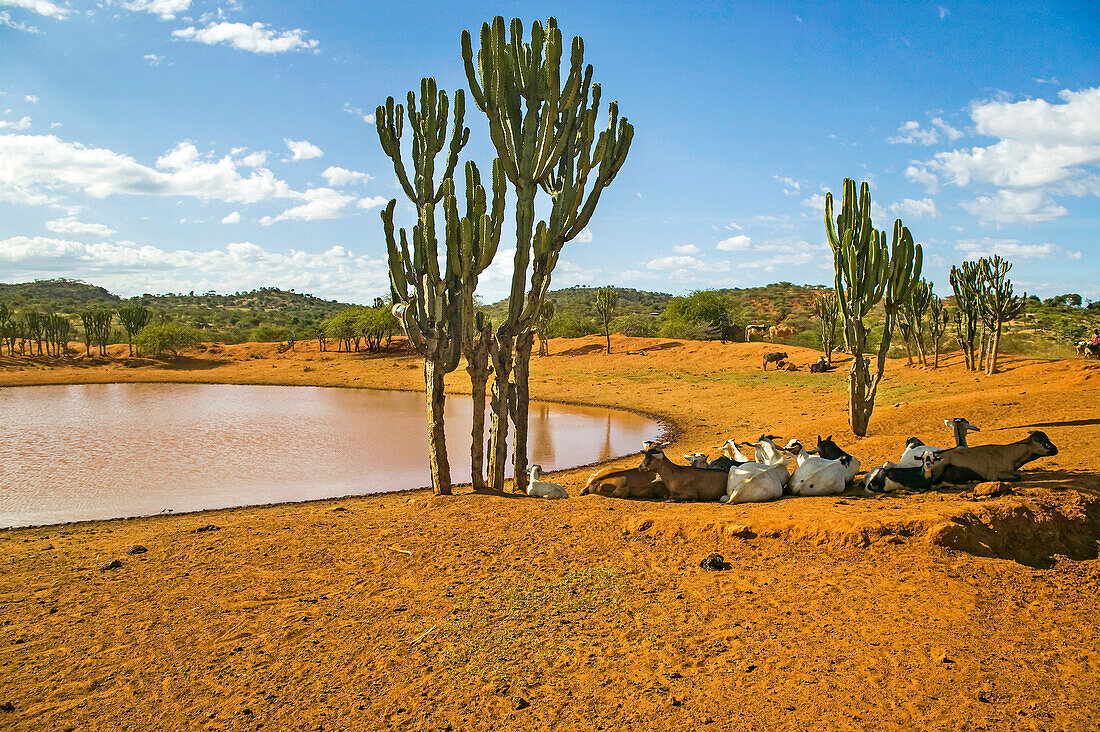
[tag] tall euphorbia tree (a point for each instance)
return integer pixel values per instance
(998, 302)
(543, 128)
(868, 272)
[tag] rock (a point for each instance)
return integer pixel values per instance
(136, 549)
(714, 562)
(992, 489)
(520, 703)
(740, 530)
(113, 564)
(204, 529)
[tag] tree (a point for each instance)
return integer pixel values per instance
(542, 326)
(966, 283)
(868, 272)
(543, 129)
(607, 302)
(938, 319)
(157, 338)
(912, 319)
(998, 302)
(826, 308)
(431, 304)
(134, 318)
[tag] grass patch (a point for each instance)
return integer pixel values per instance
(517, 628)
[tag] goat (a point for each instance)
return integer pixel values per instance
(815, 475)
(915, 449)
(696, 459)
(767, 452)
(990, 462)
(755, 482)
(831, 451)
(821, 366)
(542, 489)
(730, 457)
(774, 357)
(684, 482)
(624, 483)
(891, 477)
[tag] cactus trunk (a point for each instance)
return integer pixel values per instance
(437, 442)
(524, 344)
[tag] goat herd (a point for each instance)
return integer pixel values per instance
(825, 470)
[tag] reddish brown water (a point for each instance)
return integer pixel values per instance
(95, 451)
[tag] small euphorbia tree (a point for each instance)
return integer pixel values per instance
(607, 302)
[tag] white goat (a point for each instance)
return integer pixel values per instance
(541, 489)
(755, 482)
(816, 476)
(767, 452)
(729, 449)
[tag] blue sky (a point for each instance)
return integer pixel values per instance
(177, 145)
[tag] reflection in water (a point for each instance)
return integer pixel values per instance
(92, 451)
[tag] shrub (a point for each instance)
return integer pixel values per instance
(160, 337)
(636, 325)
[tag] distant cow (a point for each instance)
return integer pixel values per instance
(751, 330)
(777, 332)
(775, 357)
(731, 333)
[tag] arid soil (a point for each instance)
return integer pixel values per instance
(406, 611)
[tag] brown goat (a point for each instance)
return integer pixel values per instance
(624, 483)
(775, 357)
(990, 462)
(685, 483)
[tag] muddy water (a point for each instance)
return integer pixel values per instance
(94, 451)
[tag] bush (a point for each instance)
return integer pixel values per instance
(689, 330)
(160, 337)
(636, 325)
(270, 334)
(570, 325)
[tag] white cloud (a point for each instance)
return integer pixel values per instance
(255, 159)
(42, 7)
(37, 167)
(367, 117)
(31, 99)
(1040, 143)
(816, 202)
(910, 208)
(153, 60)
(1014, 207)
(950, 132)
(372, 202)
(942, 11)
(793, 259)
(584, 237)
(791, 186)
(20, 124)
(336, 176)
(738, 243)
(1007, 248)
(924, 177)
(163, 9)
(911, 133)
(5, 20)
(130, 269)
(71, 227)
(686, 249)
(232, 218)
(680, 263)
(734, 226)
(321, 203)
(302, 149)
(255, 38)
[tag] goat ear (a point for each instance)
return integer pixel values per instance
(829, 438)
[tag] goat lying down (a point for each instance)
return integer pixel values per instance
(684, 483)
(816, 476)
(756, 482)
(893, 477)
(624, 483)
(540, 488)
(831, 451)
(990, 462)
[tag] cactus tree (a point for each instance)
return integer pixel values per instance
(426, 298)
(607, 302)
(966, 283)
(543, 128)
(826, 309)
(998, 302)
(868, 272)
